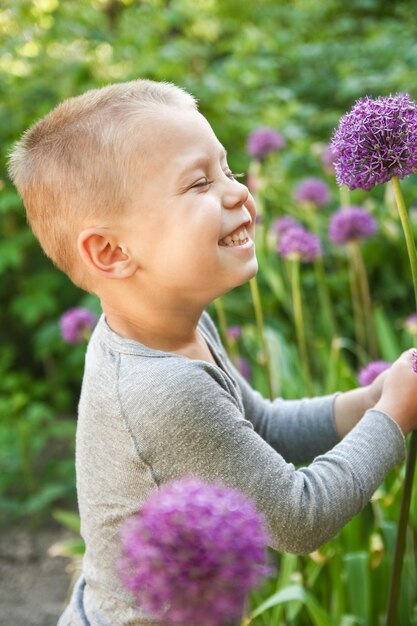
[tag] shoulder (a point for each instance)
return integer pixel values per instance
(175, 402)
(169, 380)
(150, 381)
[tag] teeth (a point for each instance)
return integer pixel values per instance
(235, 238)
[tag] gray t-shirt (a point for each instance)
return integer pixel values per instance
(147, 417)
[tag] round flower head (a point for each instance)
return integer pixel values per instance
(375, 141)
(76, 324)
(282, 224)
(312, 191)
(234, 332)
(299, 244)
(328, 158)
(193, 552)
(368, 373)
(350, 224)
(410, 324)
(262, 141)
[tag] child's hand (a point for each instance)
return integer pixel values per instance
(399, 392)
(374, 390)
(350, 406)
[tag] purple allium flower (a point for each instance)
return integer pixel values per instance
(234, 332)
(262, 141)
(76, 324)
(368, 373)
(312, 190)
(192, 552)
(282, 224)
(351, 223)
(244, 367)
(299, 244)
(410, 323)
(414, 361)
(375, 141)
(328, 158)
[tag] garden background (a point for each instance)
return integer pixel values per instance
(293, 66)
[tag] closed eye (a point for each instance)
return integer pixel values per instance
(201, 183)
(205, 182)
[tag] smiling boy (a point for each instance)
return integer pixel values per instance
(129, 192)
(187, 236)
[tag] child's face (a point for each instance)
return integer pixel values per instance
(191, 226)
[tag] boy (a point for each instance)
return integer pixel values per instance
(129, 192)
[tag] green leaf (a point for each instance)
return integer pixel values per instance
(388, 341)
(68, 548)
(295, 593)
(68, 519)
(358, 584)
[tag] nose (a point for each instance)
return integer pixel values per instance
(235, 194)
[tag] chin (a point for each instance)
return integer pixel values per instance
(252, 269)
(251, 273)
(245, 277)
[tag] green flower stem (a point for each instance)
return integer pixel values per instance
(324, 297)
(365, 296)
(245, 619)
(395, 582)
(337, 601)
(344, 196)
(310, 215)
(331, 379)
(299, 324)
(257, 305)
(321, 282)
(221, 316)
(255, 169)
(357, 311)
(408, 233)
(86, 334)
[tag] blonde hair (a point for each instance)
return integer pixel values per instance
(75, 163)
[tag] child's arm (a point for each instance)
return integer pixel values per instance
(350, 406)
(192, 424)
(300, 430)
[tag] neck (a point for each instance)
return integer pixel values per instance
(168, 328)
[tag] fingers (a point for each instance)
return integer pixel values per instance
(409, 356)
(414, 360)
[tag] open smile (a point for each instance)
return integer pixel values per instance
(238, 237)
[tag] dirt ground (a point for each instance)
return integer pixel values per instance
(33, 584)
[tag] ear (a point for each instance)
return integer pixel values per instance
(101, 251)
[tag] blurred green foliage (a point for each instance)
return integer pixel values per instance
(293, 65)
